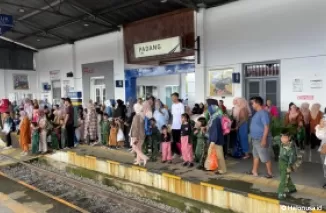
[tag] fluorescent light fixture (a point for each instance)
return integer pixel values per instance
(86, 25)
(21, 10)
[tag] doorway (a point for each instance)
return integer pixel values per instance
(262, 80)
(169, 90)
(100, 94)
(98, 90)
(56, 92)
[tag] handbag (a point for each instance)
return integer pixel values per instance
(120, 136)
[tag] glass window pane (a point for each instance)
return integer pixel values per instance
(271, 86)
(254, 87)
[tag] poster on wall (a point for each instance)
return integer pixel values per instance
(316, 84)
(20, 82)
(55, 75)
(220, 82)
(297, 85)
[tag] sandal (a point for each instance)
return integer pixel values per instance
(246, 157)
(269, 176)
(251, 173)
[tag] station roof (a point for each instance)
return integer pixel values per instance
(46, 23)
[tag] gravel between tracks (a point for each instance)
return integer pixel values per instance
(76, 195)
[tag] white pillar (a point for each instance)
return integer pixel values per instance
(200, 74)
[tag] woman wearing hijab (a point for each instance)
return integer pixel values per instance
(137, 134)
(24, 133)
(241, 115)
(120, 111)
(91, 123)
(216, 139)
(161, 115)
(28, 108)
(43, 124)
(306, 117)
(315, 117)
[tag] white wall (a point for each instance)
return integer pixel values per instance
(69, 58)
(253, 30)
(56, 58)
(108, 47)
(7, 85)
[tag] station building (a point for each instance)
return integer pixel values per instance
(275, 49)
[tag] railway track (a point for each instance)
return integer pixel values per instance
(89, 189)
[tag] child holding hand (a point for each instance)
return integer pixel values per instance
(186, 142)
(166, 145)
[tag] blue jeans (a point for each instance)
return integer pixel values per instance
(243, 137)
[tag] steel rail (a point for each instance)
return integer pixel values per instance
(94, 189)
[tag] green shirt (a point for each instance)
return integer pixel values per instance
(288, 153)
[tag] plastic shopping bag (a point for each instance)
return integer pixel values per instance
(120, 136)
(213, 164)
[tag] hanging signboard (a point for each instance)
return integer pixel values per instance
(159, 47)
(6, 23)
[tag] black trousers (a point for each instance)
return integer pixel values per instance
(8, 139)
(307, 139)
(314, 141)
(70, 135)
(176, 136)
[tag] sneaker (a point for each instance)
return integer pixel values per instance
(25, 154)
(8, 147)
(174, 156)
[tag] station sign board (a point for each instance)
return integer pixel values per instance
(158, 47)
(6, 23)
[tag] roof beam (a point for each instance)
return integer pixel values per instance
(82, 9)
(36, 10)
(81, 18)
(190, 5)
(45, 10)
(33, 26)
(40, 36)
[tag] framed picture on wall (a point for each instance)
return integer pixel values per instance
(20, 82)
(220, 82)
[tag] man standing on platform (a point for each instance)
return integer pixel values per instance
(69, 121)
(177, 110)
(260, 137)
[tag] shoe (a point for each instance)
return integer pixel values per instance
(145, 161)
(174, 156)
(25, 154)
(164, 161)
(170, 162)
(292, 191)
(324, 186)
(281, 196)
(200, 168)
(137, 163)
(190, 165)
(185, 164)
(8, 147)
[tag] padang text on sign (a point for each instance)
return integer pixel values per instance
(159, 47)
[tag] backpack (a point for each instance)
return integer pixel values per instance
(226, 124)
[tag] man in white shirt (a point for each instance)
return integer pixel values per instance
(177, 110)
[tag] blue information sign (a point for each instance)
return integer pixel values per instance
(6, 23)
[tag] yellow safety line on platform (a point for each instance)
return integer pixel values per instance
(46, 194)
(171, 176)
(139, 168)
(14, 205)
(317, 211)
(113, 162)
(220, 188)
(269, 200)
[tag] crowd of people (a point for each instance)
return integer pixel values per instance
(204, 136)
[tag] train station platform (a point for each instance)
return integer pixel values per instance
(308, 179)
